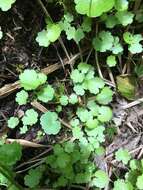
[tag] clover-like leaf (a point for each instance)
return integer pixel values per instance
(43, 39)
(5, 5)
(93, 107)
(46, 94)
(83, 114)
(93, 8)
(50, 123)
(21, 97)
(121, 5)
(84, 67)
(13, 122)
(30, 117)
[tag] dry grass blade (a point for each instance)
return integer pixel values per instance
(26, 143)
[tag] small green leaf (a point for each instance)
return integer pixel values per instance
(123, 155)
(77, 76)
(105, 96)
(64, 100)
(92, 123)
(5, 5)
(121, 5)
(125, 17)
(121, 184)
(50, 123)
(30, 79)
(93, 8)
(105, 114)
(46, 94)
(42, 38)
(30, 117)
(140, 182)
(13, 122)
(79, 90)
(101, 179)
(73, 99)
(21, 97)
(111, 61)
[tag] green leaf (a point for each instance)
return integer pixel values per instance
(84, 67)
(42, 38)
(122, 185)
(10, 153)
(30, 79)
(93, 107)
(63, 160)
(5, 5)
(140, 182)
(92, 123)
(93, 8)
(21, 97)
(105, 114)
(125, 17)
(93, 85)
(13, 122)
(30, 117)
(50, 124)
(77, 76)
(73, 99)
(53, 32)
(83, 114)
(111, 21)
(105, 96)
(32, 179)
(79, 90)
(123, 155)
(77, 133)
(79, 35)
(101, 179)
(103, 42)
(45, 37)
(86, 25)
(111, 61)
(46, 94)
(64, 100)
(117, 47)
(121, 5)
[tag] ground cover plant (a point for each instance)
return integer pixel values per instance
(71, 94)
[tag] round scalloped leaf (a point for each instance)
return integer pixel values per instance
(53, 32)
(30, 79)
(77, 76)
(105, 96)
(64, 100)
(105, 114)
(30, 117)
(73, 99)
(93, 8)
(92, 123)
(5, 5)
(46, 94)
(21, 97)
(50, 124)
(43, 39)
(13, 122)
